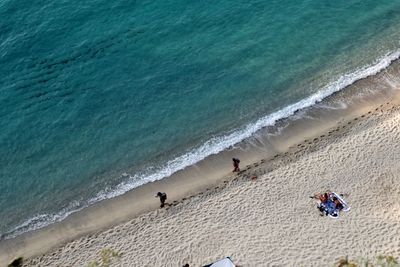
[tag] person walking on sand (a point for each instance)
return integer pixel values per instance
(163, 197)
(236, 165)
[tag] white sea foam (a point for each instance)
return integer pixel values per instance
(42, 220)
(212, 146)
(218, 144)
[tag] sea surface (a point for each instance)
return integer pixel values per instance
(98, 97)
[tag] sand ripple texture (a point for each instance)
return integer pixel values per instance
(271, 221)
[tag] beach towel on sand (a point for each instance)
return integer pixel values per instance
(329, 207)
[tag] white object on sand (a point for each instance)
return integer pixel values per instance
(222, 263)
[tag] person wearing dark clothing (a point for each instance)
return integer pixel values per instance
(236, 164)
(338, 204)
(163, 197)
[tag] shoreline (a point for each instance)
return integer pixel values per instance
(90, 245)
(140, 201)
(369, 73)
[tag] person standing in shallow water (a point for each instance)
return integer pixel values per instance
(163, 197)
(236, 164)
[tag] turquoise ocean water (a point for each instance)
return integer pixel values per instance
(98, 97)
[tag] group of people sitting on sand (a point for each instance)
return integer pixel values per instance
(329, 204)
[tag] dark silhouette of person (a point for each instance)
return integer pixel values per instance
(16, 263)
(236, 164)
(163, 197)
(338, 204)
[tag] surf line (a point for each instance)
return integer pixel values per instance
(211, 147)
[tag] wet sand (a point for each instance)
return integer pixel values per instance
(270, 219)
(214, 213)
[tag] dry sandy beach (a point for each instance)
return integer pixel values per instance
(271, 221)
